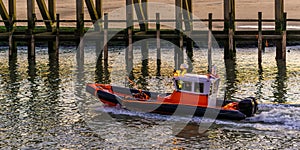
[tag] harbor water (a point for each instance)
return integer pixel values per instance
(44, 105)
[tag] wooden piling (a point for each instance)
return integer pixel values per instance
(12, 9)
(231, 42)
(99, 11)
(79, 16)
(52, 9)
(145, 12)
(158, 45)
(283, 42)
(45, 14)
(181, 54)
(187, 14)
(31, 47)
(12, 46)
(12, 17)
(140, 13)
(209, 43)
(260, 42)
(178, 47)
(99, 8)
(178, 14)
(92, 10)
(57, 34)
(12, 13)
(229, 9)
(4, 14)
(31, 24)
(229, 28)
(279, 10)
(53, 46)
(105, 37)
(129, 14)
(129, 49)
(30, 13)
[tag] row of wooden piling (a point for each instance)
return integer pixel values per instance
(229, 35)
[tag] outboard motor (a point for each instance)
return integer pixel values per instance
(248, 106)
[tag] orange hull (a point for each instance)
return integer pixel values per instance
(161, 103)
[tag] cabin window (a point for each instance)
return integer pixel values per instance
(187, 86)
(199, 87)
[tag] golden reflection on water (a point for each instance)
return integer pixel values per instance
(271, 82)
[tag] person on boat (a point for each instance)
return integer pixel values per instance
(178, 73)
(141, 95)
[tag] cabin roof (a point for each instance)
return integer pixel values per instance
(196, 77)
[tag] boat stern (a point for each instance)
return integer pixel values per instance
(93, 88)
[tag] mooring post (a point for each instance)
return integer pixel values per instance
(229, 28)
(52, 9)
(31, 23)
(178, 50)
(145, 48)
(181, 58)
(57, 34)
(30, 14)
(226, 15)
(279, 10)
(188, 20)
(260, 42)
(31, 46)
(145, 10)
(53, 45)
(140, 13)
(158, 54)
(284, 36)
(12, 45)
(92, 10)
(12, 13)
(129, 49)
(178, 14)
(12, 18)
(105, 37)
(99, 10)
(11, 41)
(79, 11)
(187, 14)
(209, 56)
(12, 9)
(231, 42)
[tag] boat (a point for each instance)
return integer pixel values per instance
(195, 96)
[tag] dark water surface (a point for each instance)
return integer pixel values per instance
(44, 104)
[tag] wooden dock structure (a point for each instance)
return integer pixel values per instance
(53, 34)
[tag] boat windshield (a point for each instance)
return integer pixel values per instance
(199, 87)
(189, 86)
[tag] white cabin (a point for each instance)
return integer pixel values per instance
(198, 84)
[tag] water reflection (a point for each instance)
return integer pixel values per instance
(102, 72)
(231, 78)
(259, 85)
(12, 102)
(13, 75)
(99, 69)
(145, 67)
(280, 87)
(191, 130)
(53, 76)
